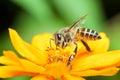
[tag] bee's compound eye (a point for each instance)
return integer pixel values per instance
(59, 36)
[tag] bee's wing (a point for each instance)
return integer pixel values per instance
(78, 22)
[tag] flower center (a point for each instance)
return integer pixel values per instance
(57, 62)
(58, 55)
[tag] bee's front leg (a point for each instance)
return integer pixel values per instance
(50, 47)
(51, 39)
(50, 42)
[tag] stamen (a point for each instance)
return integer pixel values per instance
(57, 56)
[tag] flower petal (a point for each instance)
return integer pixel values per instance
(27, 50)
(56, 69)
(71, 77)
(31, 67)
(101, 45)
(103, 72)
(42, 41)
(97, 46)
(96, 61)
(12, 71)
(9, 58)
(42, 77)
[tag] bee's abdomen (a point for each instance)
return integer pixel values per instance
(88, 34)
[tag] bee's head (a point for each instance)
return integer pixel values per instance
(59, 40)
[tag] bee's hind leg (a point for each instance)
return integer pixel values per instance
(73, 55)
(86, 45)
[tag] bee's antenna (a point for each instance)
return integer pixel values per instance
(79, 21)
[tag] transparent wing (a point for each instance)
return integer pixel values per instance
(78, 22)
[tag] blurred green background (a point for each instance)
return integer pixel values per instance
(30, 17)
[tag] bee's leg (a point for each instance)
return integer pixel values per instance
(73, 55)
(51, 39)
(75, 51)
(86, 45)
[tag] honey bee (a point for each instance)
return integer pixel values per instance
(72, 34)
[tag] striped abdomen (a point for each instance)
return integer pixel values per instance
(88, 34)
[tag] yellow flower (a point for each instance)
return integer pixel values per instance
(43, 63)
